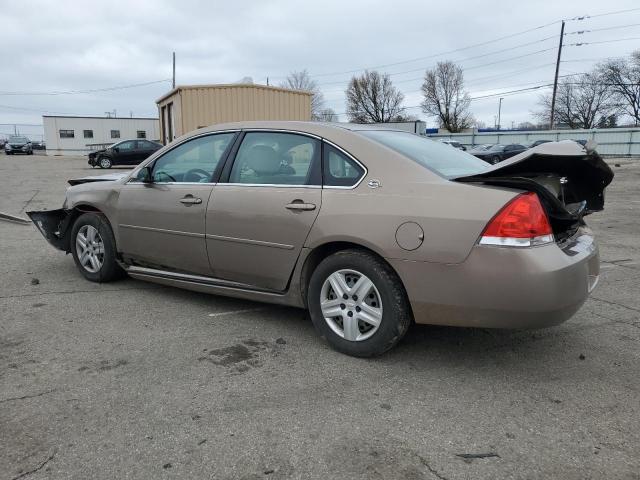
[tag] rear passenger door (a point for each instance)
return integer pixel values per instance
(262, 210)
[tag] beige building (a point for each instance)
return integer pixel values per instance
(186, 108)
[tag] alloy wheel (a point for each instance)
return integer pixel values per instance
(351, 305)
(105, 162)
(90, 248)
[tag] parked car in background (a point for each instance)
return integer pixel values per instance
(368, 228)
(497, 153)
(535, 143)
(39, 145)
(18, 144)
(479, 148)
(454, 144)
(126, 152)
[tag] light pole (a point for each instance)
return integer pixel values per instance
(499, 111)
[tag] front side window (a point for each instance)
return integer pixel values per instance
(141, 134)
(67, 134)
(115, 133)
(87, 133)
(275, 158)
(436, 156)
(193, 161)
(338, 169)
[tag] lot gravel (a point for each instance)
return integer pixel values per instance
(134, 380)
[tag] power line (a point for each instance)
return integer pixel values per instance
(93, 90)
(468, 47)
(585, 17)
(616, 27)
(579, 44)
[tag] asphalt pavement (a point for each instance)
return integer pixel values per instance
(134, 380)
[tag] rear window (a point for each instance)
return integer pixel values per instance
(436, 156)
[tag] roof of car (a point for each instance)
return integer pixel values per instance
(311, 127)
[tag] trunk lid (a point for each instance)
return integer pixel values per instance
(569, 179)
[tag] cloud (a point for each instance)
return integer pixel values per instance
(71, 45)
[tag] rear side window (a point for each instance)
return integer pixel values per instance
(437, 157)
(338, 169)
(275, 158)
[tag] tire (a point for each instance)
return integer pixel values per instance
(394, 310)
(95, 226)
(105, 162)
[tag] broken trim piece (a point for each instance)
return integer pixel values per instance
(54, 225)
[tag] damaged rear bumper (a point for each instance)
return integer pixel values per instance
(54, 225)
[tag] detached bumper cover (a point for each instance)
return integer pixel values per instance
(54, 225)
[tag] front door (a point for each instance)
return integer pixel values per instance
(162, 223)
(259, 218)
(124, 153)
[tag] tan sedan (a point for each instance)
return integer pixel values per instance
(369, 229)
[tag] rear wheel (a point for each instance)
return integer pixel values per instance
(94, 248)
(358, 303)
(104, 162)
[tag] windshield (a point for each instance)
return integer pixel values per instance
(497, 148)
(18, 140)
(436, 156)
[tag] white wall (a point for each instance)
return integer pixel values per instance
(101, 127)
(611, 141)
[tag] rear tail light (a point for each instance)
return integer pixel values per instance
(521, 223)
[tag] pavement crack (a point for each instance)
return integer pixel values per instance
(25, 397)
(71, 292)
(616, 304)
(38, 467)
(432, 470)
(29, 201)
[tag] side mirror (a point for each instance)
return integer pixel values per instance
(144, 175)
(116, 149)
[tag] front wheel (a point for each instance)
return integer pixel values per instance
(105, 162)
(358, 303)
(94, 248)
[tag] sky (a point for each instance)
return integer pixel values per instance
(51, 48)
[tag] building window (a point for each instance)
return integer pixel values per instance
(67, 134)
(115, 133)
(88, 133)
(141, 134)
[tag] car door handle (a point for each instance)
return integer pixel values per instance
(300, 205)
(190, 200)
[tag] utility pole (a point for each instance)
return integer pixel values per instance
(499, 111)
(555, 80)
(173, 78)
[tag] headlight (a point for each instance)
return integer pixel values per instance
(7, 147)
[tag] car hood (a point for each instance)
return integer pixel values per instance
(95, 152)
(110, 177)
(580, 172)
(17, 144)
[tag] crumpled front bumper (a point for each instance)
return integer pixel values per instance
(54, 225)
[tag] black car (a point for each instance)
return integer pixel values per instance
(126, 152)
(18, 144)
(497, 153)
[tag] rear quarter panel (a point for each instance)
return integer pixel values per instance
(452, 216)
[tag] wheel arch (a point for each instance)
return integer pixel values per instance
(322, 251)
(74, 213)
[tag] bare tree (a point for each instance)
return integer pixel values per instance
(372, 98)
(445, 97)
(302, 81)
(327, 115)
(623, 76)
(581, 100)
